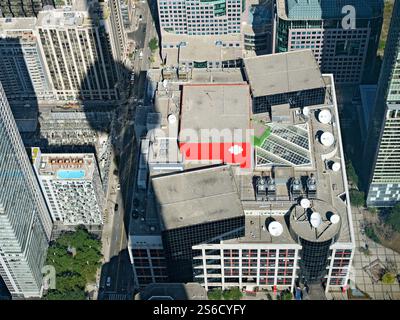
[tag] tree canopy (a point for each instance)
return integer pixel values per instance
(75, 257)
(153, 44)
(394, 217)
(357, 198)
(351, 173)
(286, 295)
(229, 294)
(215, 294)
(388, 278)
(232, 294)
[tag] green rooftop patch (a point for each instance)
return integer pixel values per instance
(259, 140)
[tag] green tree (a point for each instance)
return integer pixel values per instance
(215, 294)
(75, 257)
(66, 295)
(351, 173)
(394, 217)
(370, 232)
(232, 294)
(388, 278)
(357, 198)
(286, 295)
(153, 44)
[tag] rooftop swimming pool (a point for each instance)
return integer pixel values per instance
(70, 174)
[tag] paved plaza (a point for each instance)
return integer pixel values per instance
(377, 255)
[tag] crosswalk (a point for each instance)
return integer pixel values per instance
(117, 296)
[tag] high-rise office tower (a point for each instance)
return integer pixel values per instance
(199, 33)
(257, 26)
(117, 34)
(25, 223)
(200, 206)
(298, 224)
(382, 149)
(78, 53)
(24, 75)
(198, 17)
(23, 8)
(340, 48)
(284, 218)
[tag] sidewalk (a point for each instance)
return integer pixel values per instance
(108, 218)
(363, 280)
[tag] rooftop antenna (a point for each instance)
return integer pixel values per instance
(315, 220)
(327, 139)
(275, 229)
(336, 166)
(334, 219)
(305, 203)
(325, 116)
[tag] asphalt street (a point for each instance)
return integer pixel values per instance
(118, 270)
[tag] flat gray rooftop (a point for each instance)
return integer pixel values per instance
(200, 48)
(215, 106)
(283, 72)
(173, 291)
(331, 185)
(195, 197)
(20, 24)
(256, 230)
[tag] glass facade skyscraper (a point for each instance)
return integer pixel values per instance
(25, 223)
(317, 25)
(382, 149)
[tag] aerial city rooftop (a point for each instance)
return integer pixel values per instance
(202, 147)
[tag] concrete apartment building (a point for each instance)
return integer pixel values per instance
(382, 146)
(118, 36)
(78, 54)
(71, 186)
(286, 218)
(25, 75)
(67, 53)
(317, 25)
(25, 222)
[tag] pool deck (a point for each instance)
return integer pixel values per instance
(71, 174)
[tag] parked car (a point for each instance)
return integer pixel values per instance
(116, 207)
(108, 281)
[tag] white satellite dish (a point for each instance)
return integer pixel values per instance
(275, 229)
(305, 203)
(327, 139)
(335, 218)
(315, 219)
(336, 166)
(325, 116)
(171, 119)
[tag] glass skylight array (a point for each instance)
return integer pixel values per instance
(286, 145)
